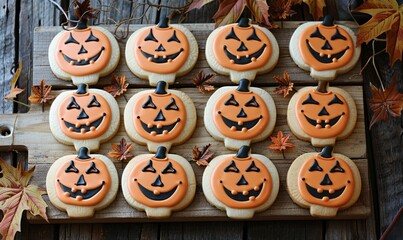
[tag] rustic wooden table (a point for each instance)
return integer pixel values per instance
(383, 143)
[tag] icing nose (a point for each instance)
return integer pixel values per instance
(159, 117)
(157, 182)
(242, 114)
(81, 181)
(82, 50)
(326, 46)
(323, 112)
(242, 47)
(326, 180)
(160, 48)
(242, 181)
(83, 115)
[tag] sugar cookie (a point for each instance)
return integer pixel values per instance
(82, 184)
(158, 184)
(240, 115)
(325, 49)
(324, 182)
(84, 118)
(242, 184)
(241, 50)
(162, 52)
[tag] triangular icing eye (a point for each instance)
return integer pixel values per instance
(231, 101)
(149, 167)
(337, 35)
(252, 103)
(252, 168)
(317, 34)
(231, 167)
(168, 169)
(149, 103)
(94, 103)
(71, 168)
(335, 100)
(336, 168)
(92, 169)
(172, 105)
(73, 104)
(232, 35)
(174, 38)
(150, 36)
(315, 167)
(310, 100)
(253, 36)
(92, 38)
(71, 40)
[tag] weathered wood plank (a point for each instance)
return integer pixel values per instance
(7, 52)
(44, 35)
(213, 230)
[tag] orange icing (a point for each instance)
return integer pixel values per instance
(99, 183)
(94, 55)
(92, 123)
(162, 46)
(331, 120)
(338, 180)
(258, 116)
(160, 120)
(241, 48)
(324, 46)
(254, 187)
(167, 188)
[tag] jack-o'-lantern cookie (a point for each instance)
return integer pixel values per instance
(240, 115)
(321, 115)
(162, 52)
(241, 50)
(84, 117)
(325, 49)
(324, 182)
(82, 184)
(160, 117)
(158, 184)
(83, 54)
(242, 184)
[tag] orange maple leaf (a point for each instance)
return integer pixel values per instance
(202, 80)
(202, 156)
(118, 86)
(387, 17)
(385, 103)
(41, 93)
(280, 143)
(16, 196)
(121, 151)
(285, 84)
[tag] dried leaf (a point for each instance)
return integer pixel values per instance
(13, 93)
(387, 17)
(280, 143)
(201, 81)
(118, 86)
(260, 10)
(203, 156)
(385, 103)
(121, 151)
(41, 93)
(280, 9)
(315, 7)
(197, 4)
(285, 84)
(14, 89)
(84, 10)
(16, 196)
(228, 12)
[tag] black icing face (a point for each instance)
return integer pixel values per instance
(325, 193)
(78, 193)
(156, 197)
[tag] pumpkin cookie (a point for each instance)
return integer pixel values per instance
(160, 117)
(242, 184)
(324, 182)
(158, 184)
(84, 118)
(321, 115)
(241, 50)
(83, 54)
(162, 52)
(325, 49)
(240, 115)
(82, 184)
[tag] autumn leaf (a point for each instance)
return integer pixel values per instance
(197, 4)
(260, 10)
(385, 103)
(41, 93)
(201, 81)
(16, 196)
(121, 151)
(280, 9)
(387, 17)
(315, 7)
(280, 143)
(228, 12)
(14, 89)
(202, 156)
(285, 84)
(84, 10)
(118, 86)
